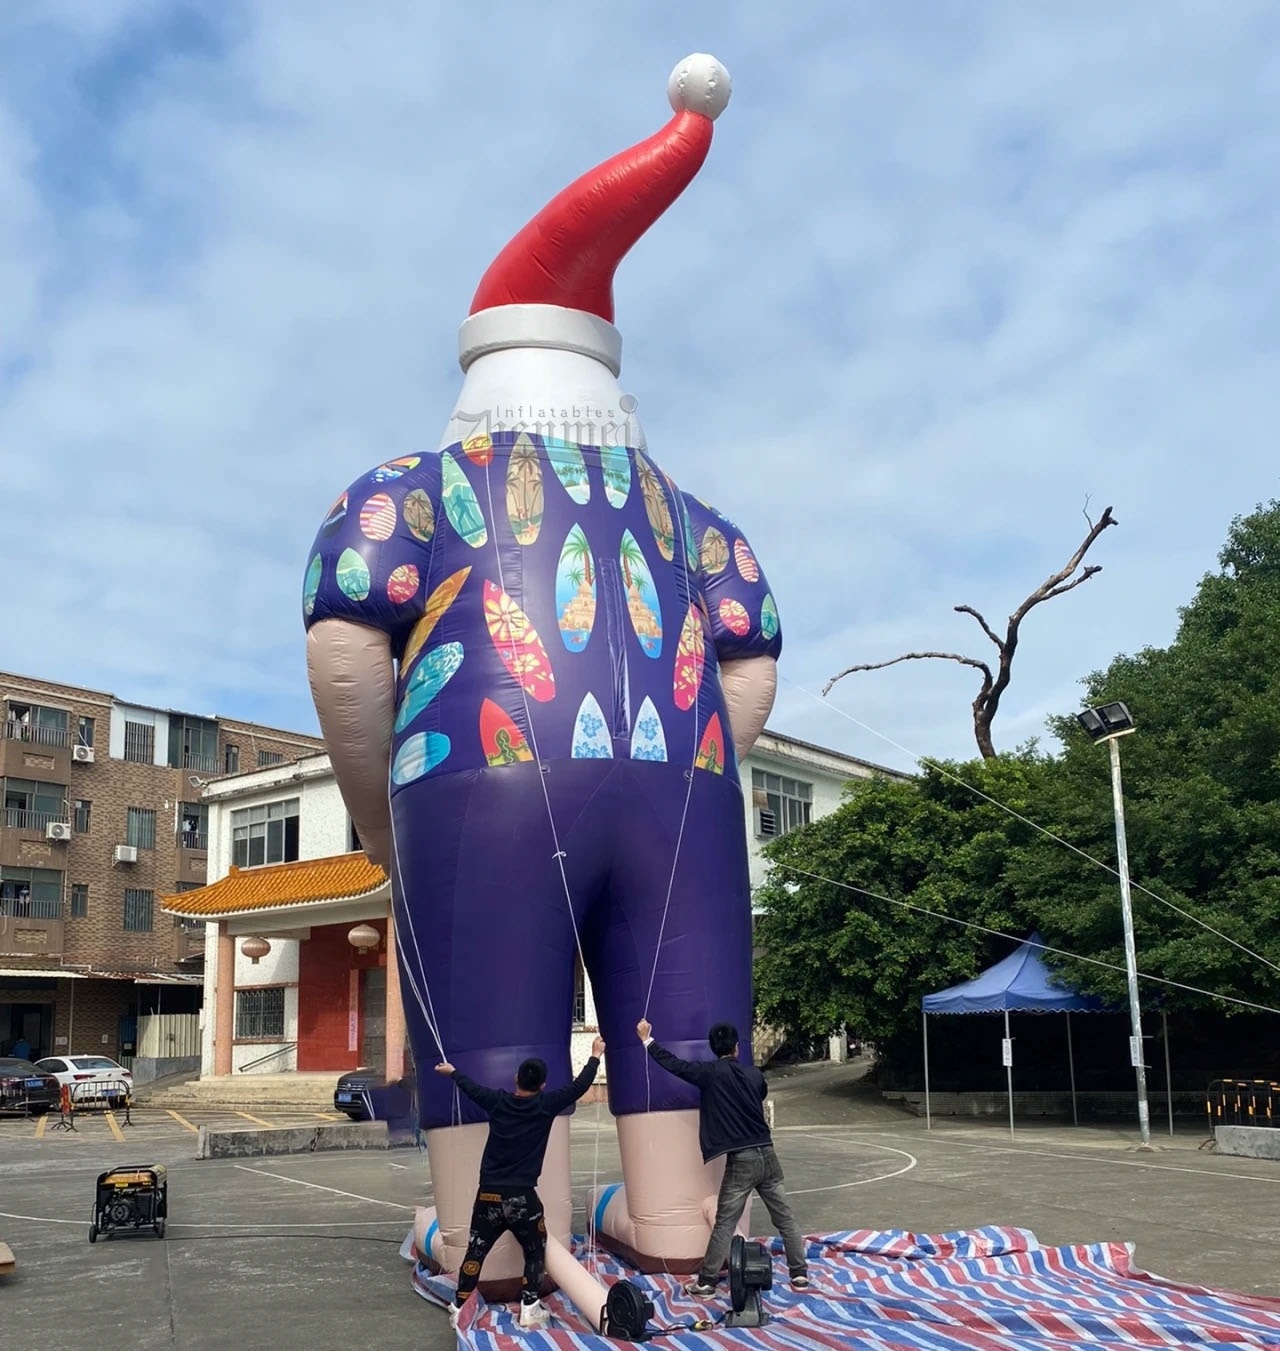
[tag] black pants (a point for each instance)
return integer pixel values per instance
(495, 1212)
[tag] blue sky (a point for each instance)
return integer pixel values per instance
(950, 273)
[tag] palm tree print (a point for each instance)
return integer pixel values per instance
(631, 557)
(578, 549)
(524, 491)
(656, 508)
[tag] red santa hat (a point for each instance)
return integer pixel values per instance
(567, 254)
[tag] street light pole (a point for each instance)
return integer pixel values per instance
(1130, 948)
(1109, 722)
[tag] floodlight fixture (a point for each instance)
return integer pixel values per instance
(1106, 721)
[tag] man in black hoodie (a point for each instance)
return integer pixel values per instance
(731, 1122)
(519, 1126)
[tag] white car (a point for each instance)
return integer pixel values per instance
(94, 1080)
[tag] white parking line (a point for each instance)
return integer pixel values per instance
(1118, 1163)
(39, 1219)
(242, 1227)
(862, 1181)
(297, 1181)
(253, 1228)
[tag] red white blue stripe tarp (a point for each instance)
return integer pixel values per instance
(990, 1289)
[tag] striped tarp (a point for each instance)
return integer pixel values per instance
(989, 1289)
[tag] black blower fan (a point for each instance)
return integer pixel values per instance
(626, 1312)
(750, 1271)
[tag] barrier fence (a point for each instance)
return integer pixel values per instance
(97, 1095)
(1243, 1102)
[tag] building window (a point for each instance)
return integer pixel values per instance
(268, 758)
(260, 1014)
(193, 825)
(30, 893)
(781, 804)
(79, 900)
(231, 760)
(29, 805)
(141, 829)
(193, 744)
(353, 836)
(35, 723)
(84, 731)
(180, 887)
(265, 834)
(140, 743)
(579, 994)
(80, 820)
(138, 910)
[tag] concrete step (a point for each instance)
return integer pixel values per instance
(248, 1090)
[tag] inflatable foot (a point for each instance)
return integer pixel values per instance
(675, 1246)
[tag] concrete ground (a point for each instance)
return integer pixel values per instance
(301, 1251)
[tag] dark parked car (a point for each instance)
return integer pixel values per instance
(25, 1089)
(365, 1095)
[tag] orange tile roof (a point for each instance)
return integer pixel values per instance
(342, 877)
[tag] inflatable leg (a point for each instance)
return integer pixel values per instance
(660, 1218)
(673, 943)
(441, 1232)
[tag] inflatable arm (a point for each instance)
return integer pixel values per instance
(353, 684)
(749, 687)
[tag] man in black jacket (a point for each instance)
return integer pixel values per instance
(731, 1122)
(507, 1198)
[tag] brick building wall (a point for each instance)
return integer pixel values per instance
(95, 799)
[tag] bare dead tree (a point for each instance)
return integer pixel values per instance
(995, 683)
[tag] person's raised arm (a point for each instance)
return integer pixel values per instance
(691, 1071)
(558, 1099)
(488, 1098)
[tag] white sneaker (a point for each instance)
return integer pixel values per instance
(535, 1315)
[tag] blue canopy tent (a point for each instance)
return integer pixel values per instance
(1019, 983)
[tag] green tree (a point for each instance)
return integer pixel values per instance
(1202, 804)
(1201, 777)
(831, 951)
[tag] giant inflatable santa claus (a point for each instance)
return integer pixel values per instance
(537, 662)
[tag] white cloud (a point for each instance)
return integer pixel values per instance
(946, 274)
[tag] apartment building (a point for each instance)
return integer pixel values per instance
(301, 972)
(101, 814)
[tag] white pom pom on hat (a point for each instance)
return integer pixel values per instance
(700, 84)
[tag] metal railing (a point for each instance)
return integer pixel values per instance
(25, 818)
(30, 907)
(193, 839)
(16, 730)
(206, 764)
(271, 1055)
(1243, 1102)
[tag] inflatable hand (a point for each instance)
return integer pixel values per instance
(536, 661)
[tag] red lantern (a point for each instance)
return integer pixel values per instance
(255, 949)
(363, 937)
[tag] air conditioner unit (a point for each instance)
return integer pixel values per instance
(57, 830)
(82, 755)
(766, 822)
(126, 853)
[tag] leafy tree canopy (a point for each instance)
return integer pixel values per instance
(1202, 807)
